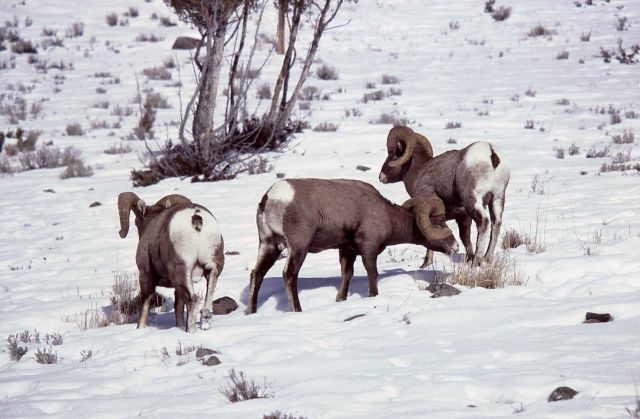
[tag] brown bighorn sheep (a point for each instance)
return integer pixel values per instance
(312, 215)
(468, 181)
(178, 242)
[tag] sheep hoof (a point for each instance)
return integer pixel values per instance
(205, 318)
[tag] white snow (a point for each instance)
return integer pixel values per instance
(482, 353)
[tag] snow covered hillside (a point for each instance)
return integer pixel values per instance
(534, 84)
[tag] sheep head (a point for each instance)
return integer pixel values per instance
(401, 145)
(430, 216)
(128, 201)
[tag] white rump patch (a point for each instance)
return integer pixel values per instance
(279, 197)
(281, 191)
(195, 236)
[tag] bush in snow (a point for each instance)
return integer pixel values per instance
(389, 79)
(326, 127)
(16, 352)
(157, 73)
(112, 19)
(241, 388)
(46, 356)
(325, 72)
(498, 273)
(279, 415)
(74, 129)
(77, 169)
(501, 13)
(513, 239)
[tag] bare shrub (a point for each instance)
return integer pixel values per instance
(501, 13)
(132, 12)
(6, 168)
(370, 85)
(621, 157)
(75, 30)
(326, 127)
(157, 73)
(615, 118)
(279, 415)
(622, 55)
(101, 104)
(373, 96)
(264, 92)
(559, 152)
(121, 111)
(16, 352)
(112, 19)
(309, 93)
(594, 153)
(488, 6)
(619, 167)
(166, 22)
(500, 272)
(563, 102)
(390, 119)
(304, 106)
(389, 79)
(452, 125)
(393, 91)
(125, 298)
(530, 92)
(632, 114)
(626, 137)
(169, 63)
(101, 90)
(352, 112)
(513, 239)
(585, 36)
(46, 356)
(529, 124)
(573, 150)
(240, 388)
(562, 55)
(621, 24)
(15, 108)
(148, 38)
(74, 129)
(540, 30)
(325, 72)
(118, 149)
(77, 169)
(23, 47)
(452, 140)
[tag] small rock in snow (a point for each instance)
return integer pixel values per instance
(202, 352)
(232, 253)
(562, 393)
(348, 319)
(280, 175)
(95, 204)
(211, 361)
(362, 168)
(597, 318)
(224, 305)
(49, 190)
(442, 290)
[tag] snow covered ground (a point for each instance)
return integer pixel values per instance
(483, 353)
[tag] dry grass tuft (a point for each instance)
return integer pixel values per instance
(500, 272)
(241, 388)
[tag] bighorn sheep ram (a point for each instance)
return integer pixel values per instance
(467, 181)
(179, 241)
(312, 215)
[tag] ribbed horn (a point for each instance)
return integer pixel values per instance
(410, 138)
(173, 199)
(425, 208)
(126, 202)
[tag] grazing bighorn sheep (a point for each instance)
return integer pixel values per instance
(178, 242)
(466, 180)
(311, 215)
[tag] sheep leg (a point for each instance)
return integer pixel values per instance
(428, 259)
(482, 224)
(346, 266)
(370, 262)
(178, 309)
(290, 275)
(207, 311)
(267, 255)
(464, 227)
(186, 294)
(147, 290)
(496, 206)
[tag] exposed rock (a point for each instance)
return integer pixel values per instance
(362, 168)
(231, 253)
(439, 289)
(185, 42)
(211, 361)
(562, 393)
(95, 204)
(598, 318)
(280, 175)
(224, 305)
(49, 190)
(202, 352)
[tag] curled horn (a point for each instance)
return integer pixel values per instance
(128, 201)
(411, 138)
(425, 208)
